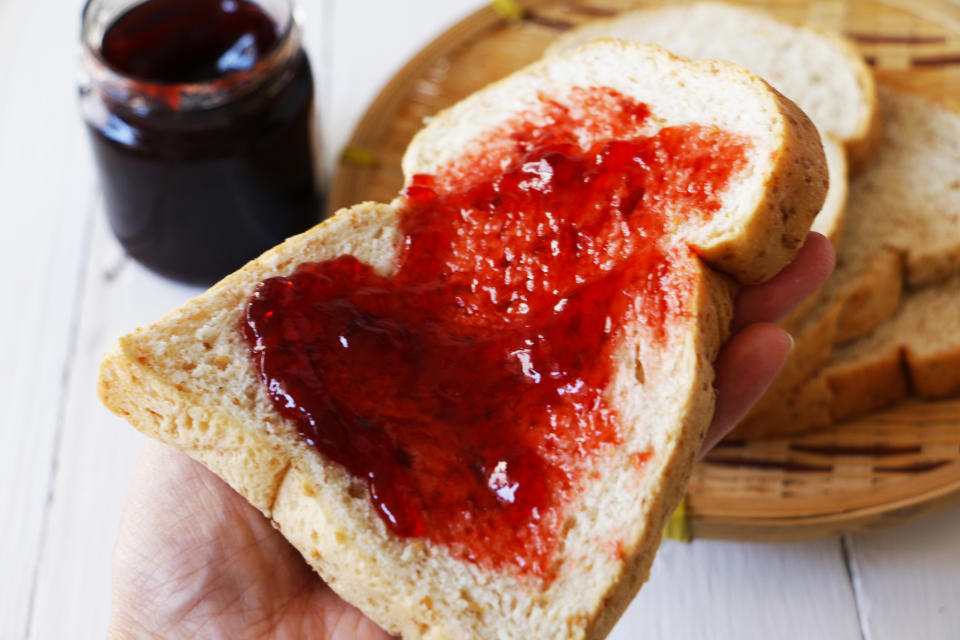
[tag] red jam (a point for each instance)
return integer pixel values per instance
(176, 41)
(467, 389)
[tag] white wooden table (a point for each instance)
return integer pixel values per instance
(69, 291)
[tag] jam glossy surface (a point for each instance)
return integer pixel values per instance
(178, 41)
(468, 388)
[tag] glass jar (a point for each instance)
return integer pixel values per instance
(202, 122)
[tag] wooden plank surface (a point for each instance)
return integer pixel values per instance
(45, 200)
(710, 590)
(908, 579)
(97, 451)
(64, 461)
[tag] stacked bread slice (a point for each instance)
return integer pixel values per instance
(821, 72)
(885, 326)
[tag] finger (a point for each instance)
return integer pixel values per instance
(746, 367)
(775, 298)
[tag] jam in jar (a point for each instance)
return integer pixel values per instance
(201, 116)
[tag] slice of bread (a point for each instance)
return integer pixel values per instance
(909, 199)
(190, 379)
(917, 350)
(822, 72)
(903, 215)
(902, 229)
(914, 352)
(843, 103)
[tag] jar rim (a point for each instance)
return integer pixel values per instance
(181, 96)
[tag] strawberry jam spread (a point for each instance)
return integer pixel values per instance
(467, 389)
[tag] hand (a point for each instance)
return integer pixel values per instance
(758, 348)
(194, 560)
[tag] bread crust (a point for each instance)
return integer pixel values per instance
(872, 298)
(934, 375)
(794, 194)
(914, 352)
(778, 409)
(829, 222)
(188, 381)
(862, 145)
(714, 314)
(842, 313)
(858, 388)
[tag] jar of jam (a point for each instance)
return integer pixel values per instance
(201, 116)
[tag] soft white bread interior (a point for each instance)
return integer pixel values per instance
(188, 379)
(830, 218)
(821, 72)
(902, 223)
(909, 199)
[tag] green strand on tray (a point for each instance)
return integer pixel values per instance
(678, 527)
(510, 10)
(359, 157)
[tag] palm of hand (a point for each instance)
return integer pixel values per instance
(195, 560)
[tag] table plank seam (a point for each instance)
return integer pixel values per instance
(65, 378)
(853, 577)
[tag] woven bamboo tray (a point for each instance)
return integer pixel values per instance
(886, 468)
